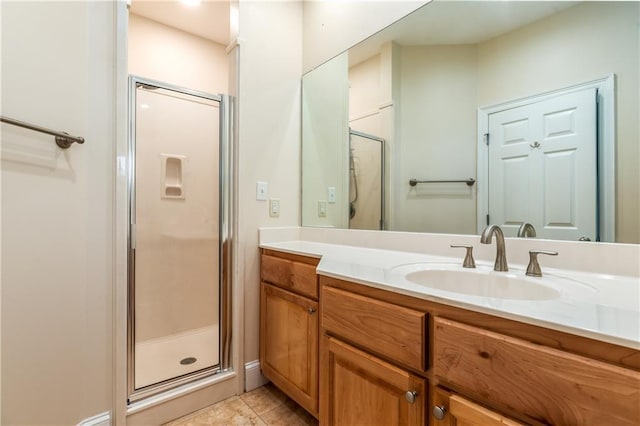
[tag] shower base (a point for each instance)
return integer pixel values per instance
(160, 359)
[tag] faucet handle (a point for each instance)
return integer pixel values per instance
(468, 258)
(526, 230)
(533, 269)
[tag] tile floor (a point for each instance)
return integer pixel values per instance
(265, 406)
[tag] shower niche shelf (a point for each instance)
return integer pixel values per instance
(172, 184)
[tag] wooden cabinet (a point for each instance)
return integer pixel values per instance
(390, 359)
(357, 386)
(289, 327)
(360, 389)
(498, 375)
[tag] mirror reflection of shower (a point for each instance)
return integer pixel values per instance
(366, 181)
(353, 183)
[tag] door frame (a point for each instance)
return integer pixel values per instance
(606, 138)
(230, 381)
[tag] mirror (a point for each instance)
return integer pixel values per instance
(523, 111)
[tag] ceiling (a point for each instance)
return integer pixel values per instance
(209, 19)
(444, 22)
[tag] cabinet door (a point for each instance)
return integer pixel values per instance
(467, 413)
(360, 389)
(289, 344)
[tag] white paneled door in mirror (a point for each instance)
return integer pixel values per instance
(542, 167)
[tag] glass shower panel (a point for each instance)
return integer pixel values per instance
(365, 182)
(176, 215)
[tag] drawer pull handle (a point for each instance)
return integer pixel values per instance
(411, 396)
(311, 311)
(439, 411)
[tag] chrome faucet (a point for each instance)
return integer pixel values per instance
(501, 256)
(526, 230)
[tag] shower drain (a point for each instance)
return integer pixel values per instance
(187, 361)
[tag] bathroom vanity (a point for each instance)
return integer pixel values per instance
(358, 344)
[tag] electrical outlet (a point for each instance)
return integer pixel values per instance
(322, 208)
(274, 207)
(331, 194)
(261, 191)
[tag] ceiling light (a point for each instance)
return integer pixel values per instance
(191, 3)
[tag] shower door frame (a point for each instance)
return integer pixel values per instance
(225, 230)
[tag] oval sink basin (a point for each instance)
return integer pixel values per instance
(491, 284)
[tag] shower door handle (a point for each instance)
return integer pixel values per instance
(132, 236)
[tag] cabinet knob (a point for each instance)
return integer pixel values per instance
(411, 396)
(439, 411)
(311, 311)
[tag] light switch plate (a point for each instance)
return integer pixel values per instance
(322, 208)
(261, 191)
(331, 194)
(274, 207)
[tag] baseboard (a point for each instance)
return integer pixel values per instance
(102, 419)
(253, 378)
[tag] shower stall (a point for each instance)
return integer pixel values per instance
(366, 181)
(179, 254)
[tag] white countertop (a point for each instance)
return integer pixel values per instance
(599, 306)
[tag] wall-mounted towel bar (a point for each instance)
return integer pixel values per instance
(63, 139)
(469, 182)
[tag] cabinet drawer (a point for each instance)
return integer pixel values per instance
(389, 330)
(544, 384)
(295, 276)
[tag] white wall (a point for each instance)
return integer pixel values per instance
(438, 136)
(563, 50)
(57, 219)
(169, 55)
(364, 88)
(331, 27)
(269, 136)
(433, 91)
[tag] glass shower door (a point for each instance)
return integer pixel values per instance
(366, 181)
(175, 236)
